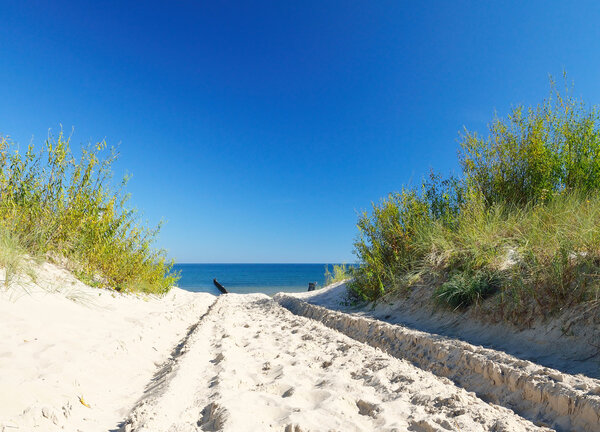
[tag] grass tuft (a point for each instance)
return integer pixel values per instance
(341, 272)
(12, 258)
(61, 204)
(465, 289)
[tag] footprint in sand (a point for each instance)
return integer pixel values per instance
(367, 408)
(218, 359)
(213, 417)
(289, 392)
(293, 428)
(401, 379)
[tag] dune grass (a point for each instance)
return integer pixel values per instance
(63, 206)
(13, 258)
(341, 272)
(521, 223)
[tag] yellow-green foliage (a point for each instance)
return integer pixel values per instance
(340, 273)
(12, 257)
(535, 152)
(546, 253)
(522, 222)
(54, 201)
(389, 245)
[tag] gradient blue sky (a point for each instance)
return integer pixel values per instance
(258, 129)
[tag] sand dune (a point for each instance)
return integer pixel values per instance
(251, 365)
(61, 340)
(74, 358)
(547, 396)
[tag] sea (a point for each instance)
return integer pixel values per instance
(251, 278)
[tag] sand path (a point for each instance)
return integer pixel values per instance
(543, 395)
(251, 365)
(76, 358)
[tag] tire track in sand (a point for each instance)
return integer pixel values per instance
(251, 365)
(546, 396)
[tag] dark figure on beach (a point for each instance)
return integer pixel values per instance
(221, 287)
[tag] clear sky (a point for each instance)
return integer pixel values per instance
(258, 129)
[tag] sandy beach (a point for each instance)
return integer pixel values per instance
(76, 358)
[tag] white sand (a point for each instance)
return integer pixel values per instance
(64, 340)
(251, 365)
(569, 342)
(547, 396)
(194, 362)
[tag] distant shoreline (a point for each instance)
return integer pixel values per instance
(251, 278)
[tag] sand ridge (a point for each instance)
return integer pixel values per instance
(547, 396)
(251, 365)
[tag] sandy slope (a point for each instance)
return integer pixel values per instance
(569, 342)
(63, 340)
(251, 365)
(548, 396)
(75, 358)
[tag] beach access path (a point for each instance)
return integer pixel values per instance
(251, 365)
(76, 358)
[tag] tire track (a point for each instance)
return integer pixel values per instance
(251, 365)
(545, 396)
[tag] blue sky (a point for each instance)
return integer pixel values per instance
(258, 129)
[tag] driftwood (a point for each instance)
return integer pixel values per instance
(221, 287)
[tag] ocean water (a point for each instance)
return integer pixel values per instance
(250, 278)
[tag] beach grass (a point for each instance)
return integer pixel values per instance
(13, 258)
(66, 206)
(339, 273)
(521, 223)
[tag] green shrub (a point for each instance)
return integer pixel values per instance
(385, 245)
(466, 288)
(340, 273)
(58, 204)
(535, 152)
(526, 208)
(390, 242)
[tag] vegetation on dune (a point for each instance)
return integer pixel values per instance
(520, 224)
(63, 206)
(12, 259)
(340, 272)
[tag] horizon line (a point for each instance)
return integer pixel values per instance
(279, 263)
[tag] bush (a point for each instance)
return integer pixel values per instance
(64, 206)
(390, 242)
(535, 152)
(340, 273)
(385, 245)
(523, 219)
(466, 288)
